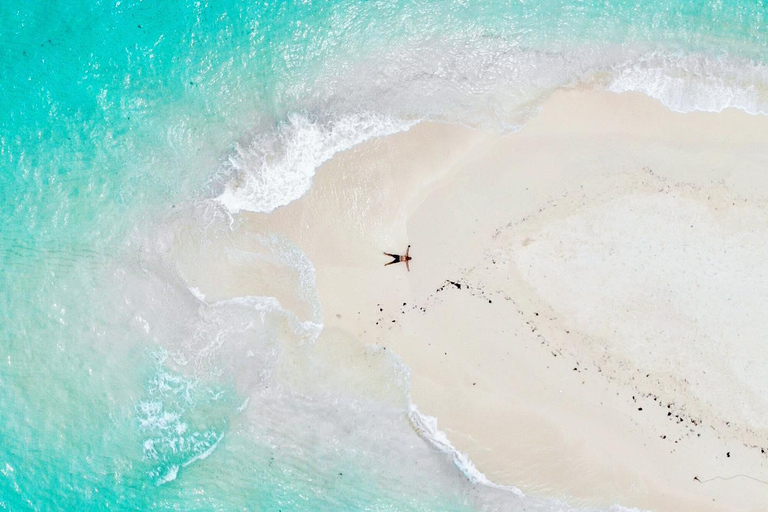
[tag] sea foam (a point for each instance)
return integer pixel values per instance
(426, 427)
(489, 83)
(689, 83)
(277, 167)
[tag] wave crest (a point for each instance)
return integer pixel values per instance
(277, 167)
(689, 83)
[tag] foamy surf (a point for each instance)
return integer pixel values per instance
(204, 455)
(426, 427)
(197, 293)
(498, 86)
(276, 168)
(170, 476)
(691, 83)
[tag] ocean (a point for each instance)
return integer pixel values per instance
(123, 122)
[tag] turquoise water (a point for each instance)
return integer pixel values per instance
(113, 392)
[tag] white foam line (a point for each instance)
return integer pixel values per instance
(205, 454)
(244, 404)
(197, 293)
(170, 476)
(426, 427)
(276, 168)
(690, 83)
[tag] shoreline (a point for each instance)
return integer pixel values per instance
(541, 321)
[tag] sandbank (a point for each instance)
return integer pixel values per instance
(585, 311)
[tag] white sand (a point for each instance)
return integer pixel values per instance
(608, 342)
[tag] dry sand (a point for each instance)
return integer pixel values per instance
(586, 311)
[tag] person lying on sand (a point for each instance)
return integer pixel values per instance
(396, 258)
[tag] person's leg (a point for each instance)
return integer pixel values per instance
(395, 258)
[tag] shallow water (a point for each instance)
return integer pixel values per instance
(121, 389)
